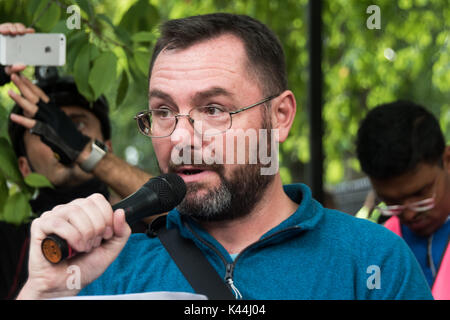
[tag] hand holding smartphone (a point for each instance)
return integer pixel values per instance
(9, 28)
(33, 49)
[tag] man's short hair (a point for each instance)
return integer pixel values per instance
(395, 137)
(63, 92)
(264, 52)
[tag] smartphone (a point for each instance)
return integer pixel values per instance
(33, 49)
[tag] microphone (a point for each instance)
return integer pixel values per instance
(158, 195)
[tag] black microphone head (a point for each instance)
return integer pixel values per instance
(170, 188)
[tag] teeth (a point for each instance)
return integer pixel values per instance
(191, 172)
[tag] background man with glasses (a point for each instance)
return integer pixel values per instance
(266, 240)
(402, 149)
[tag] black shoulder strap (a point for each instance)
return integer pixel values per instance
(192, 263)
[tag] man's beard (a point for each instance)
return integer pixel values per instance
(235, 197)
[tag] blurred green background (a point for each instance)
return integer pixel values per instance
(407, 58)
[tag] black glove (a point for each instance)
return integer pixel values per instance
(58, 131)
(4, 77)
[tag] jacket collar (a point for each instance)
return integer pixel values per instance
(306, 217)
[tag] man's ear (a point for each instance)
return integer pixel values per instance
(283, 111)
(24, 166)
(446, 159)
(108, 143)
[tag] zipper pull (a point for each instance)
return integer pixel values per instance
(229, 281)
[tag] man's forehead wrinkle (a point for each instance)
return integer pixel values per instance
(216, 75)
(196, 97)
(169, 70)
(201, 52)
(165, 71)
(213, 91)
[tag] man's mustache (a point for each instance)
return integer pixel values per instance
(194, 163)
(173, 168)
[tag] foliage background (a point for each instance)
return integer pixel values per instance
(408, 58)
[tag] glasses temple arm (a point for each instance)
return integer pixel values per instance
(255, 104)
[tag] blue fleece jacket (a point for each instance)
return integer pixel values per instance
(316, 253)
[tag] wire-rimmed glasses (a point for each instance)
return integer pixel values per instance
(418, 206)
(207, 120)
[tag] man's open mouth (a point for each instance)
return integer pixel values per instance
(189, 172)
(196, 173)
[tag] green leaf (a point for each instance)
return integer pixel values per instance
(4, 114)
(123, 89)
(142, 59)
(141, 16)
(143, 36)
(33, 7)
(81, 71)
(105, 18)
(17, 210)
(94, 52)
(77, 40)
(103, 73)
(121, 33)
(61, 27)
(86, 6)
(3, 192)
(8, 162)
(37, 180)
(49, 17)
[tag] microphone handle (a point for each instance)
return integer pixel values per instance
(56, 249)
(136, 206)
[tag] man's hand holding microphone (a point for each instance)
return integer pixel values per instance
(96, 231)
(89, 226)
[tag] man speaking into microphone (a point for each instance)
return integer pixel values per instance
(212, 77)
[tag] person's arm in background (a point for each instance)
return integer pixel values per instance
(122, 177)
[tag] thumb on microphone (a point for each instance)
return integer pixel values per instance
(120, 233)
(121, 227)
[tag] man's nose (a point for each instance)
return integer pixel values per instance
(184, 132)
(409, 214)
(185, 119)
